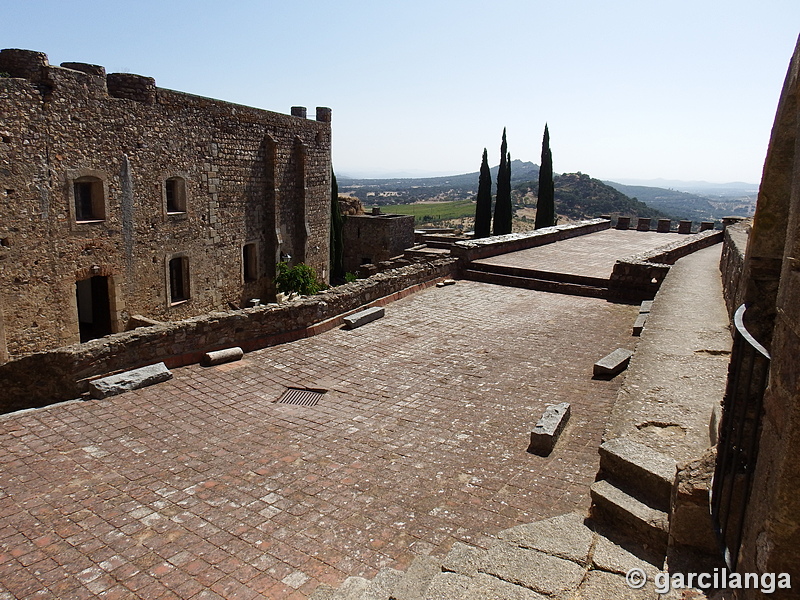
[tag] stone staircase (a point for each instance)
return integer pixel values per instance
(559, 558)
(632, 494)
(533, 279)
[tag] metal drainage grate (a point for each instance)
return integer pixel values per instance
(301, 396)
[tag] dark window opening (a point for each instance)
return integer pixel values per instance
(366, 260)
(89, 203)
(250, 262)
(94, 312)
(175, 190)
(179, 279)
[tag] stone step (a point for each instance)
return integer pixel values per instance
(323, 592)
(536, 284)
(629, 515)
(383, 585)
(538, 274)
(417, 579)
(352, 588)
(639, 470)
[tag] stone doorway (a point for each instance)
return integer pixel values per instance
(94, 307)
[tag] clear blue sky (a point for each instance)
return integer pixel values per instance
(685, 89)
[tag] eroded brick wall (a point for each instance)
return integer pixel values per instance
(249, 175)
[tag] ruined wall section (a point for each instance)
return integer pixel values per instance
(63, 124)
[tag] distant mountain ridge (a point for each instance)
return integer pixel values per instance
(579, 194)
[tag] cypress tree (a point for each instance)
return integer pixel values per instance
(483, 205)
(546, 202)
(502, 205)
(337, 236)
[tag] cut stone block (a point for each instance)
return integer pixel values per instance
(352, 589)
(382, 585)
(649, 472)
(614, 363)
(685, 227)
(565, 536)
(638, 325)
(221, 356)
(629, 514)
(547, 430)
(446, 282)
(486, 587)
(417, 579)
(462, 559)
(532, 569)
(129, 380)
(448, 586)
(363, 317)
(646, 306)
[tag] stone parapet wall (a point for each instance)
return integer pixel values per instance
(469, 250)
(734, 247)
(47, 377)
(638, 277)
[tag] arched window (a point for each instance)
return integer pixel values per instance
(175, 195)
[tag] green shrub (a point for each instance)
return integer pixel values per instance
(350, 277)
(299, 279)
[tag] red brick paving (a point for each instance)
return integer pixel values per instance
(203, 487)
(590, 255)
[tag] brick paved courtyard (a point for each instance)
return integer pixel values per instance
(203, 487)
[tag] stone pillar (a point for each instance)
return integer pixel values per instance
(706, 225)
(623, 223)
(323, 114)
(685, 227)
(664, 225)
(643, 224)
(299, 111)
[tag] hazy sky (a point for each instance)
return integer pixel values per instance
(684, 89)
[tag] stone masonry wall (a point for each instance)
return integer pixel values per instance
(249, 175)
(375, 238)
(734, 247)
(62, 373)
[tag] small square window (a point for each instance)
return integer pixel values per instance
(250, 262)
(89, 201)
(179, 279)
(175, 192)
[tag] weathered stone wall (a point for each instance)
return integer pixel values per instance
(249, 176)
(771, 282)
(370, 239)
(62, 373)
(731, 264)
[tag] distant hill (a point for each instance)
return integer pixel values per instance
(579, 196)
(684, 205)
(414, 189)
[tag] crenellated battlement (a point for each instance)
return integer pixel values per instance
(35, 67)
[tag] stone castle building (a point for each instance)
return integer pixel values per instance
(121, 199)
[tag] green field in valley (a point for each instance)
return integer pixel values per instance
(433, 211)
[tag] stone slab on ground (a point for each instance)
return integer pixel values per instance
(565, 536)
(532, 569)
(129, 380)
(613, 363)
(486, 587)
(462, 559)
(548, 429)
(363, 317)
(417, 579)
